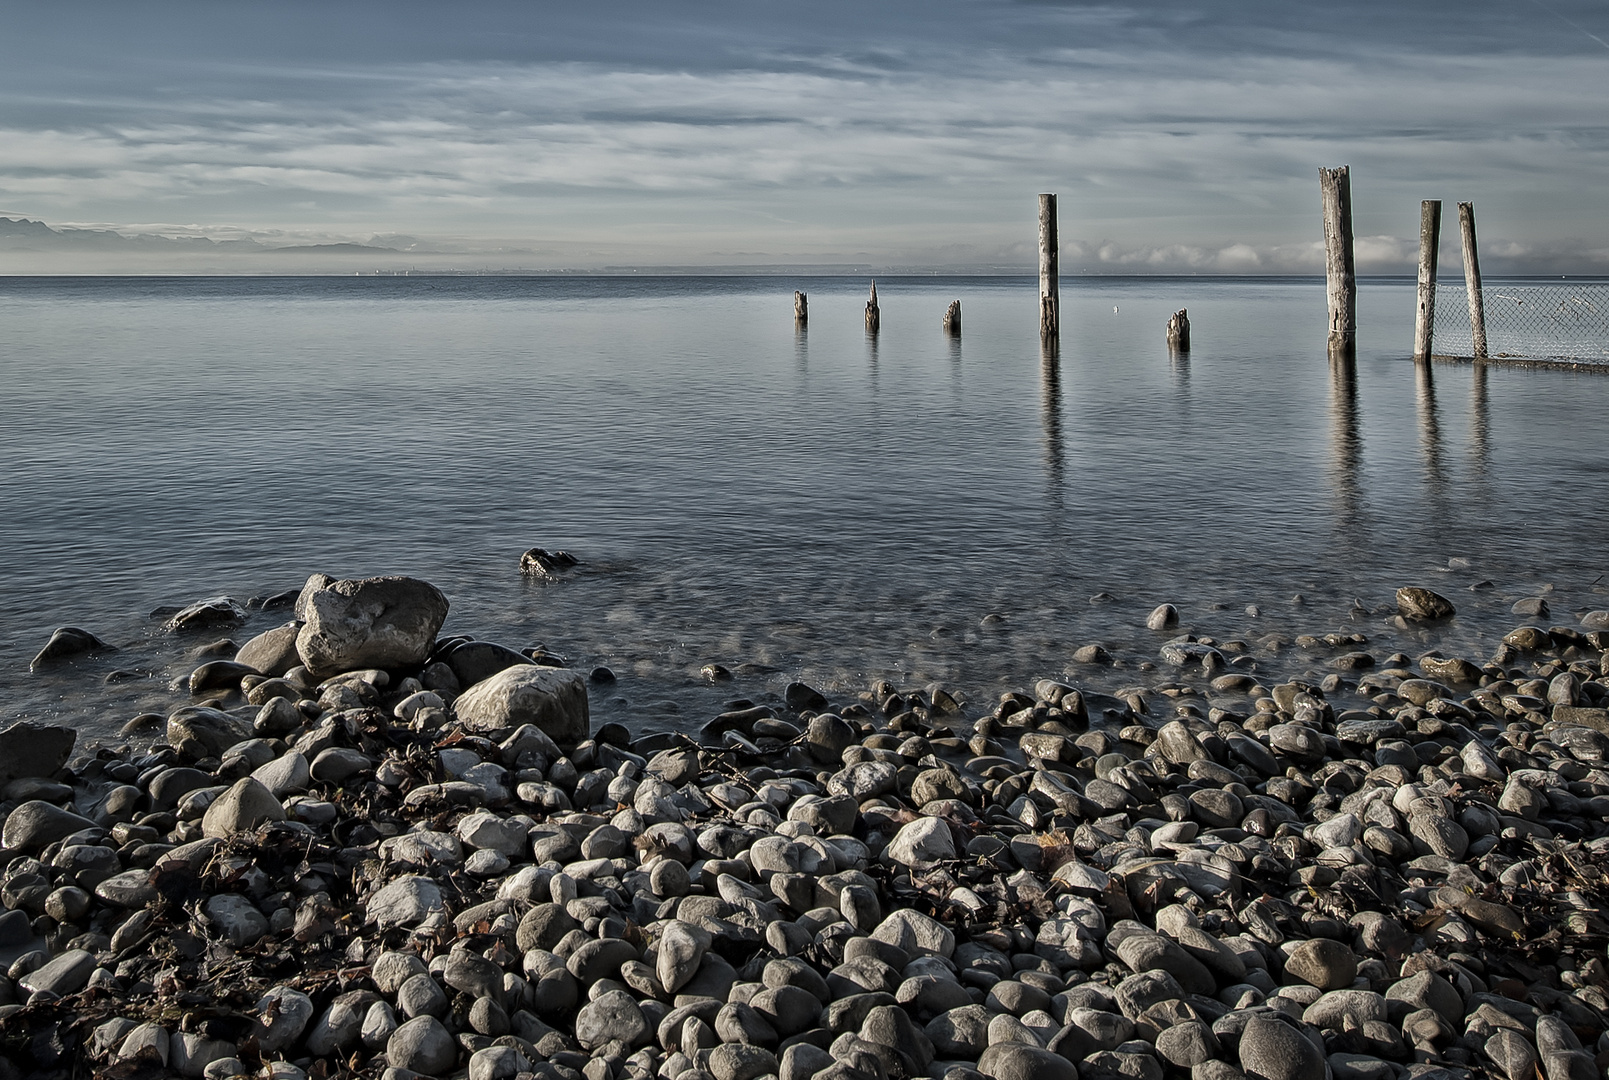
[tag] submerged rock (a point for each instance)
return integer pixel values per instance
(66, 642)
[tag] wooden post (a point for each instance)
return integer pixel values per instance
(952, 319)
(1424, 326)
(801, 308)
(1472, 279)
(1049, 270)
(1179, 332)
(874, 314)
(1341, 287)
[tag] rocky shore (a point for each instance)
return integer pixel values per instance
(360, 849)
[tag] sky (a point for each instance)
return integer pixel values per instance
(1180, 135)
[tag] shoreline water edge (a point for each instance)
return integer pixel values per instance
(356, 848)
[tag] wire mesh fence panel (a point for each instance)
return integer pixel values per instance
(1537, 322)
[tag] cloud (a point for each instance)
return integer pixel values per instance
(1193, 142)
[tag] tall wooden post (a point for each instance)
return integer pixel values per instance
(1472, 279)
(874, 314)
(952, 319)
(1049, 271)
(1424, 327)
(1341, 287)
(801, 309)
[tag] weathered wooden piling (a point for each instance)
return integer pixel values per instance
(1179, 332)
(801, 309)
(952, 319)
(1472, 279)
(1424, 326)
(874, 314)
(1049, 270)
(1341, 287)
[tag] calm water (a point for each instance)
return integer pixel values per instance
(814, 505)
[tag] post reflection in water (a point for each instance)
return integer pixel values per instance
(1347, 442)
(801, 350)
(1179, 365)
(1055, 451)
(1430, 430)
(1479, 422)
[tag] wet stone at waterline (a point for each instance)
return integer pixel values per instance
(430, 871)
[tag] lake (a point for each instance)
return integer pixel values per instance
(815, 505)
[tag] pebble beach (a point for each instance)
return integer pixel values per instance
(354, 847)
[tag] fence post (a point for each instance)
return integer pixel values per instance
(1424, 327)
(874, 314)
(1049, 271)
(801, 308)
(1472, 280)
(1341, 288)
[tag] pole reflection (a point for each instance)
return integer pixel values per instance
(1479, 422)
(1179, 366)
(1055, 449)
(1430, 430)
(801, 350)
(1347, 440)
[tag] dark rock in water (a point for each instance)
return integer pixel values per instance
(552, 699)
(68, 641)
(275, 601)
(1532, 607)
(474, 661)
(272, 652)
(1163, 617)
(541, 562)
(380, 622)
(601, 676)
(204, 614)
(219, 675)
(798, 696)
(1414, 602)
(30, 749)
(219, 649)
(143, 723)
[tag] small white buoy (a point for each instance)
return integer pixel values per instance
(1114, 309)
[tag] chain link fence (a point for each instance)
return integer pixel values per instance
(1564, 321)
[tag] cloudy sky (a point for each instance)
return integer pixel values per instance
(1181, 135)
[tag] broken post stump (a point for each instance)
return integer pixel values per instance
(874, 314)
(801, 308)
(1179, 331)
(1472, 280)
(1424, 326)
(1049, 271)
(1341, 287)
(952, 319)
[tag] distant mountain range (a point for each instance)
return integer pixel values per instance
(23, 235)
